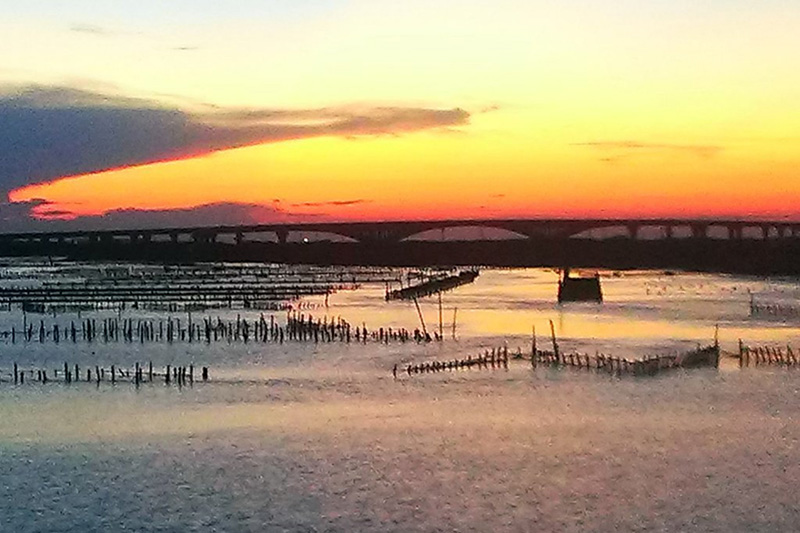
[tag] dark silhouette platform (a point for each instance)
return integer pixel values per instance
(433, 286)
(579, 289)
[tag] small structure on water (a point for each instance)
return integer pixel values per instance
(432, 286)
(579, 289)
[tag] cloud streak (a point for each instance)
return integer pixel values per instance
(54, 132)
(89, 29)
(334, 203)
(700, 150)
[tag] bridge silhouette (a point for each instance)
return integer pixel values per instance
(397, 231)
(735, 246)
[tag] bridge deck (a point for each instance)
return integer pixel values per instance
(393, 231)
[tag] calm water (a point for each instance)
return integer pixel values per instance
(321, 438)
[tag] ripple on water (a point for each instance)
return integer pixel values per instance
(320, 438)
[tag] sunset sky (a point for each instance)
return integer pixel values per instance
(206, 112)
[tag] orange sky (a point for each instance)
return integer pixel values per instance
(624, 110)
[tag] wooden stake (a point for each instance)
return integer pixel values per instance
(441, 331)
(421, 319)
(555, 343)
(741, 353)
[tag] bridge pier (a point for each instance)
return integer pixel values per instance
(283, 235)
(699, 231)
(98, 238)
(633, 230)
(141, 237)
(205, 237)
(239, 238)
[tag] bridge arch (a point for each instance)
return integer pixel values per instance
(617, 231)
(476, 232)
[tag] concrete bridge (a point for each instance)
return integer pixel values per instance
(390, 232)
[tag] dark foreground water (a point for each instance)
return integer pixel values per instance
(321, 438)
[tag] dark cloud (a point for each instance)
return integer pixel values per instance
(36, 215)
(699, 150)
(53, 132)
(18, 216)
(55, 214)
(204, 215)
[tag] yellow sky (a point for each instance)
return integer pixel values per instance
(575, 108)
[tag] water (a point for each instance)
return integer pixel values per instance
(321, 438)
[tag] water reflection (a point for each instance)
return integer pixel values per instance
(306, 437)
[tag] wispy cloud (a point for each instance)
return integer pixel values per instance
(345, 120)
(91, 29)
(628, 146)
(53, 132)
(334, 203)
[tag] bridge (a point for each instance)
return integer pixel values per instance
(393, 232)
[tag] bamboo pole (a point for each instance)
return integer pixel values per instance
(441, 330)
(555, 343)
(421, 319)
(741, 353)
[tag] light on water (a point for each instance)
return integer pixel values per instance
(320, 437)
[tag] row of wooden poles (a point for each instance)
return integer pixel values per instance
(498, 358)
(650, 365)
(775, 310)
(766, 355)
(170, 307)
(494, 358)
(298, 327)
(179, 375)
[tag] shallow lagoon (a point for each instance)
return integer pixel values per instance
(321, 438)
